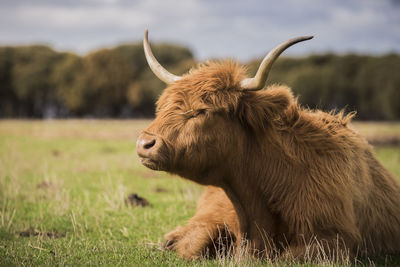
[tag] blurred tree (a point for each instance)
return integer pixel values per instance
(36, 81)
(106, 77)
(31, 69)
(7, 95)
(366, 84)
(67, 77)
(144, 88)
(378, 86)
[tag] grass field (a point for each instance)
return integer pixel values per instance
(63, 190)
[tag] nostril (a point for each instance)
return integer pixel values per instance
(149, 144)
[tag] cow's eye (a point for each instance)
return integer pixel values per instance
(195, 113)
(200, 112)
(186, 112)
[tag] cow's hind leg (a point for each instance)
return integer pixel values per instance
(319, 250)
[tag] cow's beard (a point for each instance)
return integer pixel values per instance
(156, 164)
(151, 164)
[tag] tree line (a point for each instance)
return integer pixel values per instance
(39, 82)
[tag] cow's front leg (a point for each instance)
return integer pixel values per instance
(211, 230)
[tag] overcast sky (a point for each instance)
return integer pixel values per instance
(211, 28)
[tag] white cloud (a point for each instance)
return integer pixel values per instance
(87, 17)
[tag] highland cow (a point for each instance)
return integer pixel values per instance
(282, 177)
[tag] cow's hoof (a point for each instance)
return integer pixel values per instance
(169, 244)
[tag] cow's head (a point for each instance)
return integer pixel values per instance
(205, 118)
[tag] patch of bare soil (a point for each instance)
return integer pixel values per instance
(46, 185)
(33, 232)
(56, 152)
(135, 200)
(108, 150)
(159, 189)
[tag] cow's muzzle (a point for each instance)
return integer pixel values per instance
(148, 149)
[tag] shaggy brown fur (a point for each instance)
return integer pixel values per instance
(207, 227)
(293, 175)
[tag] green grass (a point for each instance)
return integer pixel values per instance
(63, 186)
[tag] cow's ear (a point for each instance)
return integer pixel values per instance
(258, 109)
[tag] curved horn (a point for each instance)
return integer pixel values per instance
(155, 66)
(258, 82)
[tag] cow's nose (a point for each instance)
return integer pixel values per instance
(144, 145)
(147, 144)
